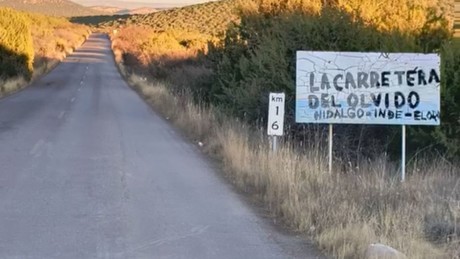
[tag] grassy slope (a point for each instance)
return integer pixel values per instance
(50, 7)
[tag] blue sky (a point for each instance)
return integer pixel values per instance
(139, 3)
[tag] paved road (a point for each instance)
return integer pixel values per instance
(87, 170)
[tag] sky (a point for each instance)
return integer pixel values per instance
(140, 3)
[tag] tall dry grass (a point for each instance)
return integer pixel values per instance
(11, 85)
(15, 84)
(344, 212)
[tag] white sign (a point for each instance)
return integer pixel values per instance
(368, 88)
(276, 114)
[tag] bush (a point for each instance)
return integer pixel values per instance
(16, 45)
(446, 137)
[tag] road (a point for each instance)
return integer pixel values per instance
(88, 170)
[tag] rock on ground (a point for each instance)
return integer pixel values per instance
(380, 251)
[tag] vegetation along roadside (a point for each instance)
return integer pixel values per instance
(32, 44)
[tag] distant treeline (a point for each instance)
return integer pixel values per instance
(30, 40)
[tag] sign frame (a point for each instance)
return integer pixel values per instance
(384, 71)
(368, 88)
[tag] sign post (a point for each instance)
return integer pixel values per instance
(403, 154)
(368, 88)
(276, 117)
(331, 145)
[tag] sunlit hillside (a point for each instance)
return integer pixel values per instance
(50, 7)
(210, 18)
(142, 10)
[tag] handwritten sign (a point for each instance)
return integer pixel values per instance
(368, 88)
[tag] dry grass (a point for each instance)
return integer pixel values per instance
(12, 85)
(56, 41)
(344, 212)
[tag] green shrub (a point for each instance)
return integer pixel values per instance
(446, 138)
(16, 44)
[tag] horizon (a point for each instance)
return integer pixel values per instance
(140, 3)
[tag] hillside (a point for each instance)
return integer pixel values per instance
(106, 9)
(50, 7)
(209, 18)
(143, 10)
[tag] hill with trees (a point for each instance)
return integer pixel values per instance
(63, 8)
(209, 18)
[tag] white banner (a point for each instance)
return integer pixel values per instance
(368, 88)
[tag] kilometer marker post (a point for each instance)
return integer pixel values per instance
(275, 125)
(275, 143)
